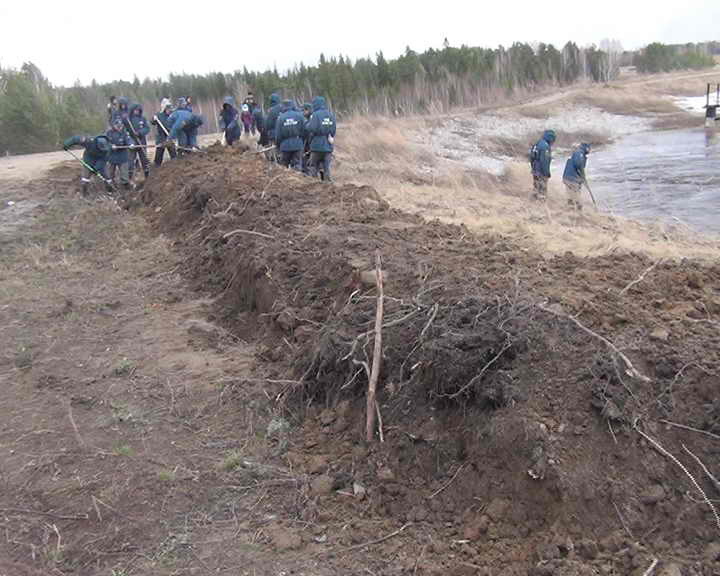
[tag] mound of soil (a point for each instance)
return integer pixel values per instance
(520, 396)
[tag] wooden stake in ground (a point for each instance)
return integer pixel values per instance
(377, 352)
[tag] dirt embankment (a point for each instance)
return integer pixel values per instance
(183, 384)
(518, 392)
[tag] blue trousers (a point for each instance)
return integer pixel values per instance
(320, 163)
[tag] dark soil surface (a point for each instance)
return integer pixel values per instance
(185, 390)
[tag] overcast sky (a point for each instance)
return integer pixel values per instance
(82, 40)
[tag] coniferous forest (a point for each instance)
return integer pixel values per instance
(36, 116)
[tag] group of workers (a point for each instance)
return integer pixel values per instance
(301, 140)
(574, 177)
(298, 139)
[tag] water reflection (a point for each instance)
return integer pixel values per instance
(662, 175)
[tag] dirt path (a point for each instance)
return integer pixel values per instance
(118, 452)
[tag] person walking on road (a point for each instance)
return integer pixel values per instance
(540, 160)
(574, 176)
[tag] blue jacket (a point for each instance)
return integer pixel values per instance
(272, 115)
(164, 119)
(138, 125)
(541, 155)
(118, 138)
(289, 128)
(97, 150)
(575, 166)
(122, 111)
(258, 118)
(178, 120)
(229, 115)
(320, 126)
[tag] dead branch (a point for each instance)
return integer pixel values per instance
(379, 540)
(651, 568)
(630, 369)
(612, 432)
(447, 484)
(714, 480)
(690, 429)
(267, 186)
(377, 352)
(380, 422)
(97, 508)
(479, 376)
(640, 278)
(682, 467)
(430, 321)
(79, 438)
(230, 234)
(47, 514)
(622, 521)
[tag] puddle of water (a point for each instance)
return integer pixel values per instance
(670, 176)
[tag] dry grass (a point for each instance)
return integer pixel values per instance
(393, 159)
(376, 139)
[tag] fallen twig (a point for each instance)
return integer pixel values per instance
(612, 432)
(652, 567)
(230, 234)
(377, 352)
(380, 422)
(379, 540)
(640, 278)
(435, 309)
(622, 521)
(694, 482)
(79, 438)
(630, 369)
(477, 377)
(447, 484)
(47, 514)
(690, 429)
(714, 480)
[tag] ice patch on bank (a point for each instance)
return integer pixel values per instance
(488, 142)
(694, 104)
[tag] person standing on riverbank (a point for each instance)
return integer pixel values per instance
(574, 176)
(540, 160)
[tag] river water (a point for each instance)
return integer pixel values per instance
(668, 175)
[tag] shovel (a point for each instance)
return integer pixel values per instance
(591, 194)
(93, 171)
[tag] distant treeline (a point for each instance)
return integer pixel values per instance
(658, 57)
(36, 116)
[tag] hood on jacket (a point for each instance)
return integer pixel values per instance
(274, 99)
(134, 108)
(122, 103)
(288, 105)
(549, 136)
(102, 143)
(229, 100)
(318, 103)
(165, 103)
(585, 148)
(181, 102)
